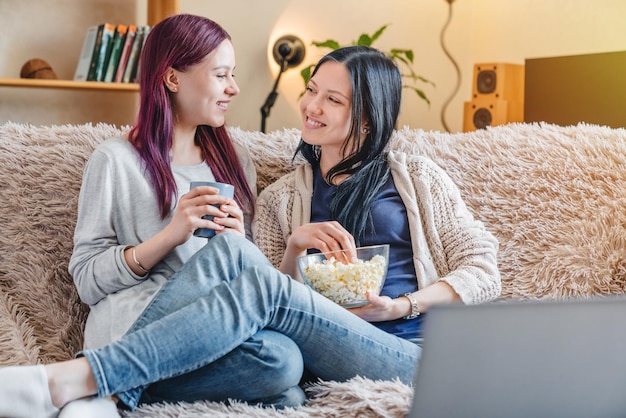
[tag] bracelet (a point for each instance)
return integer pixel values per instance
(137, 261)
(414, 307)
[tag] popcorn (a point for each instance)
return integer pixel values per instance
(348, 283)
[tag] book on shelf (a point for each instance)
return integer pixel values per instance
(91, 75)
(108, 31)
(84, 61)
(146, 32)
(125, 54)
(110, 53)
(115, 52)
(133, 60)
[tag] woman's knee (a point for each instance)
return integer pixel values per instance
(236, 248)
(230, 242)
(286, 367)
(279, 358)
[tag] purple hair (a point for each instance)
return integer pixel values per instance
(180, 41)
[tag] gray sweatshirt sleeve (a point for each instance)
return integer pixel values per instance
(249, 170)
(104, 227)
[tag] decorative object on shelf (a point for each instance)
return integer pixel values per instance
(288, 52)
(37, 68)
(402, 57)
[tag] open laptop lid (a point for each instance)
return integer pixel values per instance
(524, 359)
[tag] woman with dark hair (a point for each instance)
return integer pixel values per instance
(354, 191)
(241, 295)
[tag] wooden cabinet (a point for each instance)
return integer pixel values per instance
(160, 9)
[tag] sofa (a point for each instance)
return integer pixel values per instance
(555, 198)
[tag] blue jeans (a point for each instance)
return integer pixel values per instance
(249, 296)
(265, 369)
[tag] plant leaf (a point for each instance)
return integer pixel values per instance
(404, 57)
(419, 92)
(379, 32)
(329, 43)
(424, 80)
(364, 40)
(406, 53)
(306, 73)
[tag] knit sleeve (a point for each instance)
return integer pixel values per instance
(249, 170)
(271, 226)
(464, 252)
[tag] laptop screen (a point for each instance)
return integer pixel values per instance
(523, 359)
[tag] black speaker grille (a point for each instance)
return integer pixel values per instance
(486, 81)
(482, 118)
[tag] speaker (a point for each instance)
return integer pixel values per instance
(497, 96)
(499, 81)
(480, 113)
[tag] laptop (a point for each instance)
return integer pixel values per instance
(523, 359)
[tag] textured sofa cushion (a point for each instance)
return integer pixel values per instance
(41, 176)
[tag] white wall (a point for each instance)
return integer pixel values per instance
(480, 31)
(413, 25)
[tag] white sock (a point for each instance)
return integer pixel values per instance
(90, 408)
(24, 393)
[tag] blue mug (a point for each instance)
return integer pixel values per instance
(227, 190)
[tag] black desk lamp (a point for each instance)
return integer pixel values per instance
(288, 52)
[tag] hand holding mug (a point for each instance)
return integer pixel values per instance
(225, 190)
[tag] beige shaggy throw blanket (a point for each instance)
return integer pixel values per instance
(553, 196)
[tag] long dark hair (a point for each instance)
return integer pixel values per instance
(376, 98)
(180, 41)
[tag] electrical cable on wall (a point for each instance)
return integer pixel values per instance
(456, 67)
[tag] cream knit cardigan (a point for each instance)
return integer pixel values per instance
(448, 243)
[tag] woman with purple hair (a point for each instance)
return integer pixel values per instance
(137, 215)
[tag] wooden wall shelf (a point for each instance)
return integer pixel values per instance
(157, 11)
(68, 84)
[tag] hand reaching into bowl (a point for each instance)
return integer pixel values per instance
(323, 236)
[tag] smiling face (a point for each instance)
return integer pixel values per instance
(326, 107)
(203, 91)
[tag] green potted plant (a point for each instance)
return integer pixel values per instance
(402, 57)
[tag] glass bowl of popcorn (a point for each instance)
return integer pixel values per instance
(344, 281)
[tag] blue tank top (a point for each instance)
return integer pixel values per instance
(390, 226)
